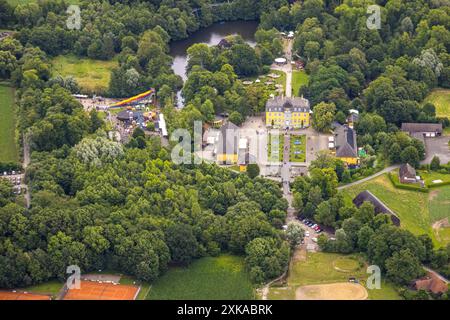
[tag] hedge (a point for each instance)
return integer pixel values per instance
(10, 166)
(440, 184)
(406, 186)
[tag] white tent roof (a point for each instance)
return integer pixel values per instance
(280, 60)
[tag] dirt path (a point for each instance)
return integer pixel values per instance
(332, 291)
(437, 275)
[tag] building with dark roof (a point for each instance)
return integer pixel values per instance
(224, 44)
(407, 174)
(346, 147)
(380, 207)
(431, 283)
(426, 129)
(283, 112)
(228, 144)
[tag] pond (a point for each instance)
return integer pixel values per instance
(210, 36)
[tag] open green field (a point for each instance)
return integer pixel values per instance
(277, 141)
(298, 148)
(93, 76)
(8, 147)
(299, 79)
(441, 100)
(326, 268)
(440, 203)
(209, 278)
(417, 211)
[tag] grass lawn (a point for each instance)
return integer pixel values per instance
(8, 147)
(277, 140)
(320, 268)
(441, 100)
(92, 75)
(280, 81)
(208, 278)
(298, 148)
(299, 79)
(440, 203)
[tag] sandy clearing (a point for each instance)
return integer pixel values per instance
(332, 291)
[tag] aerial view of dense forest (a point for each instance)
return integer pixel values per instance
(88, 178)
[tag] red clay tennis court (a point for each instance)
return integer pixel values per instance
(92, 290)
(9, 295)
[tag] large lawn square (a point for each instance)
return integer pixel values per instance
(298, 148)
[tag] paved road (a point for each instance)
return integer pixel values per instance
(437, 147)
(385, 170)
(437, 274)
(288, 71)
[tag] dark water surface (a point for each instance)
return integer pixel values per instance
(211, 36)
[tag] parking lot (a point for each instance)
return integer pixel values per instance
(16, 178)
(437, 147)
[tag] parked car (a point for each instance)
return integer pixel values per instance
(307, 234)
(318, 231)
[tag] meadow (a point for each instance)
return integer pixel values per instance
(8, 146)
(209, 278)
(299, 79)
(298, 148)
(441, 100)
(326, 268)
(93, 76)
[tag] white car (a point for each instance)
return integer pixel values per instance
(307, 234)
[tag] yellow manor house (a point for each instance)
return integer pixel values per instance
(283, 112)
